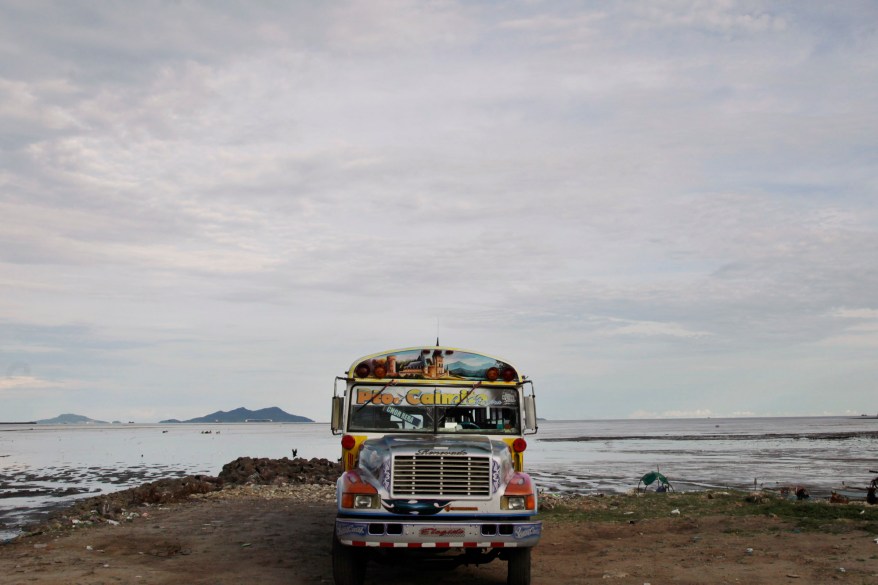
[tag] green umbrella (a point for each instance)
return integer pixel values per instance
(653, 476)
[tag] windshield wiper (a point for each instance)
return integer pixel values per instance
(376, 395)
(456, 406)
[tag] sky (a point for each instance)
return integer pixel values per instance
(652, 209)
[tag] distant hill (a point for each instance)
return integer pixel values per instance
(272, 414)
(70, 419)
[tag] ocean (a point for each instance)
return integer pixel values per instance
(44, 466)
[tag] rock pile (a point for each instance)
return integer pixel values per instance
(306, 478)
(263, 471)
(166, 491)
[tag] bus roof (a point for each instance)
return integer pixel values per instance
(434, 364)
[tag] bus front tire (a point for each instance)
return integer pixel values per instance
(518, 570)
(348, 564)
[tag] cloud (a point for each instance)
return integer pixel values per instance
(652, 328)
(17, 369)
(392, 25)
(725, 16)
(217, 188)
(862, 313)
(28, 383)
(698, 413)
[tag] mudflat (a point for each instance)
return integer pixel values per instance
(282, 535)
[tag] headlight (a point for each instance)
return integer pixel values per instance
(365, 501)
(514, 502)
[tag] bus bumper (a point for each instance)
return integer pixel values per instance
(402, 534)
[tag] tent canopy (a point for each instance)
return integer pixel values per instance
(662, 483)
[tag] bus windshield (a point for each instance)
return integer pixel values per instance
(428, 409)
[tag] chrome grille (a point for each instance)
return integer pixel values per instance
(441, 475)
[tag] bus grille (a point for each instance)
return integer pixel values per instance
(441, 475)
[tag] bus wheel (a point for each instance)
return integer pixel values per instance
(518, 567)
(348, 564)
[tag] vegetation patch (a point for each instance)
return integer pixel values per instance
(806, 515)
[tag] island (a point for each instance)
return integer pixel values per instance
(70, 419)
(240, 415)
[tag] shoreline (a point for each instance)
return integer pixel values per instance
(41, 495)
(824, 436)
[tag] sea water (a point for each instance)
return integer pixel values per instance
(821, 454)
(43, 466)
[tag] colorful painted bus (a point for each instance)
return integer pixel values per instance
(433, 454)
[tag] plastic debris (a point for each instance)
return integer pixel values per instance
(836, 498)
(675, 511)
(749, 551)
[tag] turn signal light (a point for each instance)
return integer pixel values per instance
(362, 370)
(348, 442)
(519, 493)
(518, 445)
(508, 375)
(357, 493)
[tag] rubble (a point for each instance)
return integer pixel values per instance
(311, 480)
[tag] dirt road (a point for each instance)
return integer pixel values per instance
(246, 538)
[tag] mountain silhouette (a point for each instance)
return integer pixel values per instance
(271, 414)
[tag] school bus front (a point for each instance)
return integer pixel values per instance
(433, 453)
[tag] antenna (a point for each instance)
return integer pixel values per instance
(437, 331)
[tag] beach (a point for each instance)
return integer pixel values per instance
(273, 534)
(140, 516)
(47, 466)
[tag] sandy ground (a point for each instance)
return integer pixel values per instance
(244, 537)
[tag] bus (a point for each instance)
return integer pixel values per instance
(432, 447)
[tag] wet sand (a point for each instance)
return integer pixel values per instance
(836, 436)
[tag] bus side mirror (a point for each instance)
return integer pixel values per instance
(530, 413)
(337, 409)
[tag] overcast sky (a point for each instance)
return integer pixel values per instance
(653, 209)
